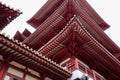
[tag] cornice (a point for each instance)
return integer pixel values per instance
(20, 49)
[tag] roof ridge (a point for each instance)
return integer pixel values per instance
(8, 6)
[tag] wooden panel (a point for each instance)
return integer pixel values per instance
(15, 72)
(28, 77)
(17, 65)
(33, 72)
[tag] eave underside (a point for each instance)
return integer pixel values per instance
(55, 22)
(27, 57)
(51, 6)
(75, 40)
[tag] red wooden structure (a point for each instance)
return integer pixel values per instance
(69, 39)
(7, 15)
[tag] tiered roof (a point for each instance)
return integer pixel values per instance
(66, 28)
(22, 36)
(56, 17)
(69, 8)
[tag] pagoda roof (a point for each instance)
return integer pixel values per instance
(18, 36)
(22, 36)
(7, 15)
(21, 53)
(52, 6)
(75, 40)
(58, 18)
(55, 22)
(66, 28)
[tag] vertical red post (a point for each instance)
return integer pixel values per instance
(25, 73)
(76, 64)
(4, 68)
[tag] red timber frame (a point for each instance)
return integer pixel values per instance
(3, 68)
(24, 55)
(76, 64)
(24, 71)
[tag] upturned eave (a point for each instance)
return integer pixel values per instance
(7, 15)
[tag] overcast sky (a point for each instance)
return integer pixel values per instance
(107, 9)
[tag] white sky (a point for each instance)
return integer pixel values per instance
(107, 9)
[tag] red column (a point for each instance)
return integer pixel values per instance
(25, 73)
(4, 68)
(0, 65)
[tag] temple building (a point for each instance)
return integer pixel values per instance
(69, 43)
